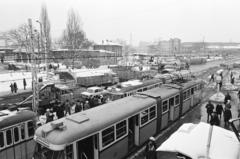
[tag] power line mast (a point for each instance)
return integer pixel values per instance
(35, 99)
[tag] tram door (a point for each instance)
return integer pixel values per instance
(171, 107)
(87, 148)
(133, 132)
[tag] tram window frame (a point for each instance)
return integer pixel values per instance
(11, 142)
(30, 129)
(192, 91)
(144, 117)
(16, 134)
(23, 132)
(188, 94)
(2, 141)
(171, 102)
(68, 153)
(152, 112)
(184, 95)
(119, 127)
(103, 136)
(177, 100)
(164, 110)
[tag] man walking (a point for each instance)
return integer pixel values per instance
(209, 108)
(24, 83)
(15, 87)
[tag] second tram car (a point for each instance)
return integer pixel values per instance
(114, 129)
(16, 134)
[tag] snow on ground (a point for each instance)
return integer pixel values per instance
(7, 78)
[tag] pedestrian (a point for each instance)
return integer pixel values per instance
(86, 105)
(150, 149)
(214, 119)
(24, 83)
(209, 108)
(232, 80)
(49, 115)
(238, 94)
(15, 87)
(220, 85)
(227, 117)
(60, 110)
(12, 88)
(212, 78)
(219, 110)
(221, 75)
(228, 105)
(67, 107)
(78, 107)
(227, 97)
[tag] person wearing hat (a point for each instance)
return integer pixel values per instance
(228, 104)
(150, 150)
(86, 105)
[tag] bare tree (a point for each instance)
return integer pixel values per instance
(19, 37)
(46, 27)
(73, 35)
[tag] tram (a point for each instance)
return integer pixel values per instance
(115, 129)
(133, 87)
(17, 129)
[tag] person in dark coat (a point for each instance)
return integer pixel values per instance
(209, 108)
(150, 149)
(228, 105)
(49, 115)
(220, 85)
(232, 80)
(12, 88)
(24, 83)
(67, 107)
(212, 78)
(60, 111)
(78, 107)
(15, 87)
(227, 97)
(227, 117)
(219, 110)
(214, 119)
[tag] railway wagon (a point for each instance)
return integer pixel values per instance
(16, 134)
(131, 90)
(112, 130)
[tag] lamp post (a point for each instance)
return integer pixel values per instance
(45, 46)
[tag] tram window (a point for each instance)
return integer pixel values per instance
(177, 100)
(144, 89)
(16, 134)
(152, 113)
(1, 140)
(69, 151)
(30, 127)
(171, 102)
(188, 93)
(144, 117)
(23, 131)
(121, 129)
(165, 106)
(9, 137)
(184, 95)
(108, 136)
(192, 91)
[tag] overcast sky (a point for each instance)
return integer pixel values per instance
(146, 20)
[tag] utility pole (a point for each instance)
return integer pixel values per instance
(35, 99)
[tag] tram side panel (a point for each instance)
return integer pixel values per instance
(147, 131)
(186, 101)
(117, 150)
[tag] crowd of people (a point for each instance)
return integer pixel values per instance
(214, 116)
(60, 110)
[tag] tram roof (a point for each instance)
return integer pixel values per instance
(163, 92)
(9, 118)
(83, 124)
(144, 83)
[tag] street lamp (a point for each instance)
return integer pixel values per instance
(45, 46)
